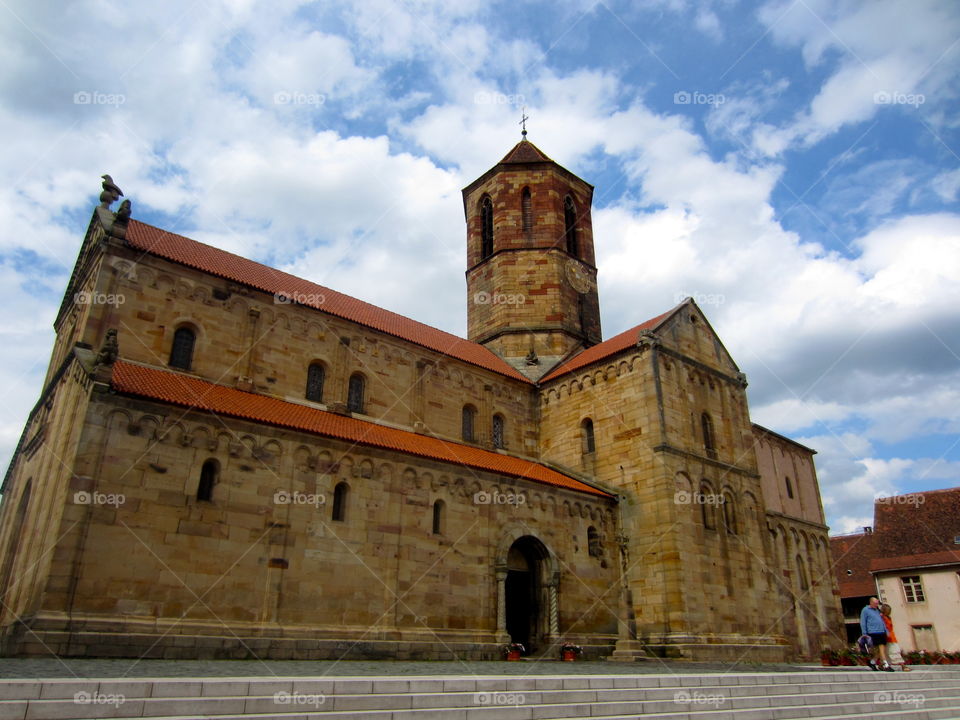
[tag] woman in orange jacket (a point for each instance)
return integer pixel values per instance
(893, 647)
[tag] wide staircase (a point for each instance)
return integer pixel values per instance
(850, 694)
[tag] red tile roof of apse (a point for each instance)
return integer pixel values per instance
(194, 393)
(183, 250)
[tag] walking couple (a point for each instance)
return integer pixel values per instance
(878, 637)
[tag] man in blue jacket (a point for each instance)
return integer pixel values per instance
(871, 623)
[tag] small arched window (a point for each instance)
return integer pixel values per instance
(789, 487)
(588, 442)
(486, 228)
(708, 505)
(526, 212)
(438, 519)
(209, 474)
(706, 425)
(315, 382)
(570, 225)
(594, 549)
(181, 352)
(802, 574)
(355, 393)
(468, 423)
(729, 514)
(497, 435)
(340, 493)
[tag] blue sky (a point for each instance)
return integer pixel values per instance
(793, 165)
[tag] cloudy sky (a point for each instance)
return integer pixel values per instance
(792, 165)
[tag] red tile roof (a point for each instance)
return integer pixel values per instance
(601, 351)
(191, 253)
(525, 152)
(854, 553)
(191, 392)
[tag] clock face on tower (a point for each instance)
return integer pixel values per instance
(578, 278)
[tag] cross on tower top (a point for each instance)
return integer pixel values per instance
(523, 122)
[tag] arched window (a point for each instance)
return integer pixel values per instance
(708, 506)
(802, 574)
(708, 442)
(340, 493)
(589, 445)
(526, 212)
(789, 487)
(208, 478)
(315, 382)
(468, 423)
(729, 514)
(497, 434)
(570, 224)
(594, 549)
(486, 228)
(181, 353)
(438, 517)
(355, 393)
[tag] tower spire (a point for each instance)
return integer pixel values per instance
(523, 122)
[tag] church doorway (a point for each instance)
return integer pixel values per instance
(524, 593)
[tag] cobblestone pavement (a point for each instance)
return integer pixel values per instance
(116, 668)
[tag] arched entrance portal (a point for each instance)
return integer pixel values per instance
(529, 593)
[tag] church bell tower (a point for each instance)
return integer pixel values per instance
(531, 272)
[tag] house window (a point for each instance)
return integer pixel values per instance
(468, 423)
(526, 212)
(789, 487)
(586, 436)
(438, 517)
(708, 442)
(208, 478)
(355, 393)
(486, 228)
(497, 434)
(315, 382)
(340, 493)
(570, 224)
(181, 353)
(924, 638)
(912, 588)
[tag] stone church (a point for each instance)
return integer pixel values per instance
(228, 461)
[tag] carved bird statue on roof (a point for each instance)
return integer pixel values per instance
(111, 193)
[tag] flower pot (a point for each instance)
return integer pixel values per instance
(513, 655)
(568, 655)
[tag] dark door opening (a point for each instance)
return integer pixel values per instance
(522, 593)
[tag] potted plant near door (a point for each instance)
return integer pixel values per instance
(513, 651)
(570, 652)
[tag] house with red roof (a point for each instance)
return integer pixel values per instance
(910, 559)
(229, 461)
